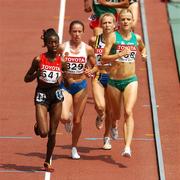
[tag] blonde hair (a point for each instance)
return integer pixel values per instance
(125, 10)
(106, 15)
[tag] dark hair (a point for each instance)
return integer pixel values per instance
(48, 33)
(76, 22)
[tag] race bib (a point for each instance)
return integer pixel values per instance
(59, 95)
(75, 65)
(127, 58)
(93, 17)
(40, 97)
(49, 76)
(98, 54)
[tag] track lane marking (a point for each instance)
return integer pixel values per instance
(135, 139)
(154, 106)
(62, 6)
(15, 137)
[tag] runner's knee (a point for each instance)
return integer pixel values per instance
(101, 109)
(64, 118)
(43, 134)
(128, 113)
(77, 124)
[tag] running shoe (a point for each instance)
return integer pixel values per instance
(107, 144)
(74, 153)
(99, 123)
(126, 152)
(114, 133)
(36, 129)
(69, 125)
(48, 167)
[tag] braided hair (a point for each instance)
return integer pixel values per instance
(48, 33)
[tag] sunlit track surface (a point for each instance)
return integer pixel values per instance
(20, 30)
(166, 87)
(152, 95)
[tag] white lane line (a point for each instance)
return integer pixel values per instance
(48, 174)
(134, 139)
(61, 19)
(18, 171)
(15, 137)
(62, 6)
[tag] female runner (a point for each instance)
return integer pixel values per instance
(120, 50)
(100, 7)
(119, 4)
(77, 55)
(46, 68)
(99, 83)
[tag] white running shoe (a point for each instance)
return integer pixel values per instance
(114, 133)
(69, 125)
(126, 152)
(74, 153)
(107, 144)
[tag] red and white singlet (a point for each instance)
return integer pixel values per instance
(50, 72)
(75, 62)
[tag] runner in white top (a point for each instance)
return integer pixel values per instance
(77, 55)
(75, 62)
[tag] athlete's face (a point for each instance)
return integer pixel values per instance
(126, 21)
(52, 44)
(107, 24)
(76, 32)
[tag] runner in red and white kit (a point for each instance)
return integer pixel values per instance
(77, 55)
(46, 68)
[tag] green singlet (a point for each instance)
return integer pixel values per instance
(121, 43)
(100, 9)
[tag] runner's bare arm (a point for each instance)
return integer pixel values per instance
(90, 54)
(106, 56)
(141, 47)
(91, 66)
(92, 41)
(87, 7)
(33, 71)
(60, 51)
